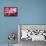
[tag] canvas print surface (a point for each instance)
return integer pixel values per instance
(10, 11)
(33, 32)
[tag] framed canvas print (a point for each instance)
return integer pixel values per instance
(32, 32)
(10, 11)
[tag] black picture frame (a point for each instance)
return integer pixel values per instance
(6, 12)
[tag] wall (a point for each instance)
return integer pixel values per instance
(29, 12)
